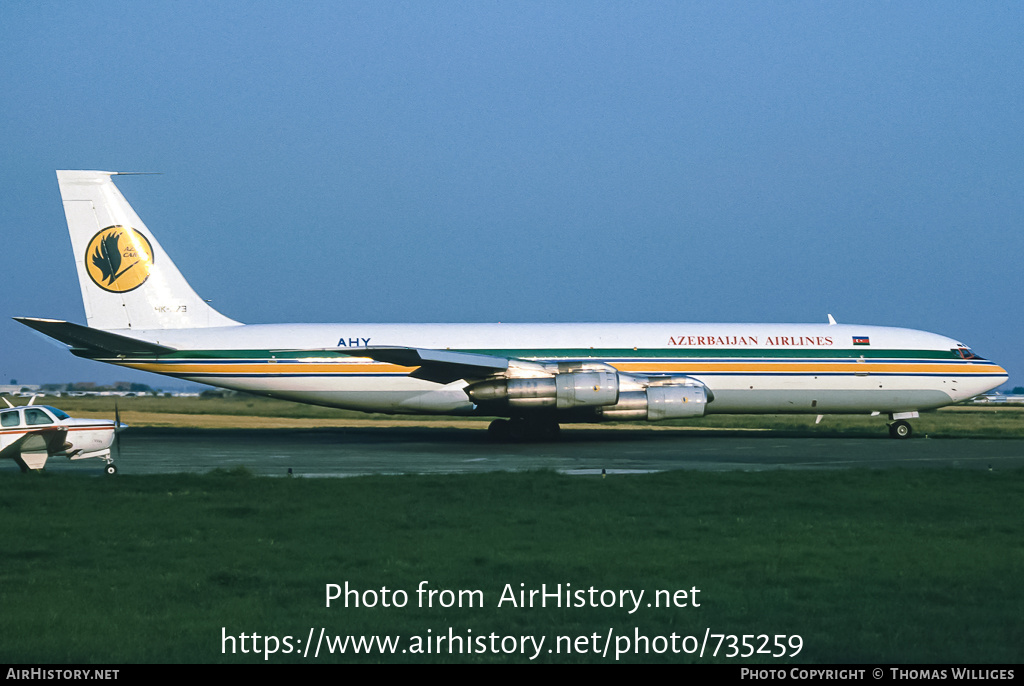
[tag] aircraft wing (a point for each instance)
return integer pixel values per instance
(13, 451)
(36, 445)
(439, 366)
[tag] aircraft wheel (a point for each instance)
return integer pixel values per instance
(111, 469)
(900, 429)
(534, 430)
(499, 430)
(518, 430)
(545, 431)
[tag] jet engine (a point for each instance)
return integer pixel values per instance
(561, 391)
(657, 403)
(601, 395)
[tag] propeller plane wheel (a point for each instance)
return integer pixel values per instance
(900, 429)
(110, 469)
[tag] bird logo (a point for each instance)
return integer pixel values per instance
(119, 259)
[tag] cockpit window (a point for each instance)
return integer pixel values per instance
(967, 353)
(35, 416)
(9, 418)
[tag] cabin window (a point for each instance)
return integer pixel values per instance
(9, 418)
(34, 417)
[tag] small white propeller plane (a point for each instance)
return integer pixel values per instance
(143, 314)
(30, 435)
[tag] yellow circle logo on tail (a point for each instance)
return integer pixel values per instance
(119, 259)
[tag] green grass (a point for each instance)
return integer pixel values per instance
(951, 422)
(240, 405)
(889, 566)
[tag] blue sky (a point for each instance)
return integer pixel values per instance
(531, 161)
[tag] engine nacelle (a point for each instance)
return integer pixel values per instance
(657, 403)
(561, 391)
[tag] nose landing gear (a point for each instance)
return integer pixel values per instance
(900, 427)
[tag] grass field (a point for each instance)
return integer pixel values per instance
(863, 566)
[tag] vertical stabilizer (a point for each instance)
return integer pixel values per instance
(127, 280)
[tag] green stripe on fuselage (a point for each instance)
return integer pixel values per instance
(596, 353)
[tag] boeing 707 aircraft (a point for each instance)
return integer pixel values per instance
(142, 314)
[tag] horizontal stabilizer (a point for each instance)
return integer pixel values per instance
(91, 340)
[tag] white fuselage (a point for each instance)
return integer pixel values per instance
(749, 368)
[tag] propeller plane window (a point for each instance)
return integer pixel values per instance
(36, 417)
(59, 414)
(9, 418)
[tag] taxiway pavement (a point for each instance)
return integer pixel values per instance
(402, 450)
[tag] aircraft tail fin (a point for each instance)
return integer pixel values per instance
(127, 280)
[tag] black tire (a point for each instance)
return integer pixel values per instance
(520, 430)
(111, 469)
(534, 430)
(544, 431)
(554, 431)
(499, 431)
(900, 430)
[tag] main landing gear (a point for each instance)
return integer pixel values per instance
(523, 430)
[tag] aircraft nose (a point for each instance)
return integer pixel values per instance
(1002, 377)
